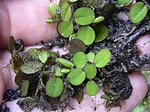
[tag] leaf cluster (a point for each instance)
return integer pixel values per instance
(43, 72)
(77, 22)
(83, 66)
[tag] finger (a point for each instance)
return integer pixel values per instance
(25, 19)
(140, 87)
(143, 44)
(1, 86)
(7, 71)
(4, 25)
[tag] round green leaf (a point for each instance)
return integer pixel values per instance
(90, 56)
(76, 77)
(84, 16)
(79, 59)
(86, 34)
(24, 87)
(66, 12)
(54, 87)
(101, 32)
(31, 67)
(50, 20)
(43, 56)
(90, 71)
(102, 58)
(65, 28)
(124, 2)
(65, 62)
(138, 12)
(53, 8)
(92, 88)
(99, 19)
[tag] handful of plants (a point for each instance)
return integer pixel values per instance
(100, 54)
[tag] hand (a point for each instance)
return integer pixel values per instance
(25, 20)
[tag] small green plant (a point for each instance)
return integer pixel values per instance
(68, 19)
(138, 12)
(85, 66)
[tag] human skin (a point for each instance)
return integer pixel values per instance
(24, 19)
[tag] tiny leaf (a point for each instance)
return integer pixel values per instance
(106, 97)
(31, 67)
(65, 28)
(99, 19)
(58, 72)
(78, 95)
(138, 12)
(54, 87)
(124, 2)
(53, 8)
(92, 88)
(90, 71)
(79, 59)
(102, 58)
(43, 56)
(90, 56)
(65, 71)
(76, 77)
(86, 34)
(50, 20)
(84, 16)
(65, 62)
(24, 87)
(73, 0)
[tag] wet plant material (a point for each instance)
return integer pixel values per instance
(101, 54)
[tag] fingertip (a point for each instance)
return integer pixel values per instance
(143, 44)
(140, 88)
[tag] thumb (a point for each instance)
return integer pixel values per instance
(25, 19)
